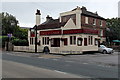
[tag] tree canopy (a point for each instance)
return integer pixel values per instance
(10, 25)
(114, 25)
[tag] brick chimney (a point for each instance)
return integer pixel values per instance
(38, 17)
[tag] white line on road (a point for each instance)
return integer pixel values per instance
(69, 61)
(55, 59)
(60, 72)
(85, 63)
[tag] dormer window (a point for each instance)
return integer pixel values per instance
(101, 22)
(86, 20)
(94, 21)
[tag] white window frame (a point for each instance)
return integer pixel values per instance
(101, 32)
(86, 20)
(101, 22)
(94, 21)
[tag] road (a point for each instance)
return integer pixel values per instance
(19, 66)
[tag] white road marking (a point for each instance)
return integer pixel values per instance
(69, 61)
(85, 63)
(55, 59)
(60, 72)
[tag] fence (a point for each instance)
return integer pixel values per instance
(26, 49)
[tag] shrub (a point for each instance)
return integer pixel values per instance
(3, 40)
(20, 42)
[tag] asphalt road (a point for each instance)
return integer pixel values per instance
(53, 66)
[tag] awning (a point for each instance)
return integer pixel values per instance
(116, 41)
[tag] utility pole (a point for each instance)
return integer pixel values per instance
(35, 38)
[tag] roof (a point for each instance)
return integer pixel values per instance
(50, 24)
(88, 13)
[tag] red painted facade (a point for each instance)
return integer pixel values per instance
(50, 32)
(32, 34)
(71, 31)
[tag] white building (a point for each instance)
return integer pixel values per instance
(74, 32)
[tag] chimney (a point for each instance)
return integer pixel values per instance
(48, 18)
(84, 8)
(96, 13)
(38, 17)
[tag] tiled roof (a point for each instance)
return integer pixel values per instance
(50, 24)
(88, 13)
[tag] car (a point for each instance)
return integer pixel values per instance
(103, 49)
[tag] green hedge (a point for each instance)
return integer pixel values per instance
(20, 42)
(15, 41)
(3, 39)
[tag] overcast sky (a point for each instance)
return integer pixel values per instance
(24, 10)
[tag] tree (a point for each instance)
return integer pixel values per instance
(9, 23)
(114, 29)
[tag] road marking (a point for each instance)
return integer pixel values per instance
(60, 72)
(85, 63)
(69, 61)
(55, 59)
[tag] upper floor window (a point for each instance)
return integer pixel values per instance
(101, 33)
(86, 20)
(94, 21)
(101, 22)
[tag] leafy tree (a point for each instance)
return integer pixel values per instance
(114, 29)
(9, 24)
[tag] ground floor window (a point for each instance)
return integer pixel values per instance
(96, 41)
(72, 40)
(31, 40)
(91, 40)
(45, 40)
(85, 41)
(55, 42)
(79, 41)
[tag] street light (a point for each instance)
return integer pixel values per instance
(35, 38)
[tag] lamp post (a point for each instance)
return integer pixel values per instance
(35, 38)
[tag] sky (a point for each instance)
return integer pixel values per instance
(24, 10)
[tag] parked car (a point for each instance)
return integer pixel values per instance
(103, 49)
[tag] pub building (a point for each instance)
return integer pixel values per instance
(74, 32)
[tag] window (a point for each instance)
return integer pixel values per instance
(72, 40)
(91, 40)
(55, 42)
(101, 33)
(86, 20)
(45, 40)
(100, 22)
(94, 21)
(31, 41)
(85, 41)
(79, 41)
(96, 42)
(65, 41)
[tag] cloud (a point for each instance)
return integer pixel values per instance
(30, 25)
